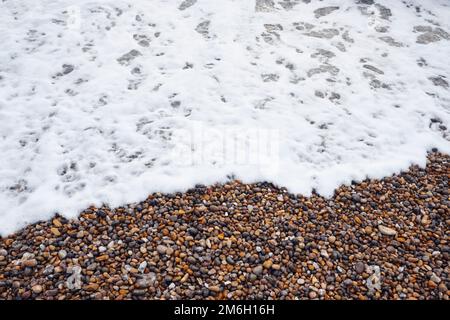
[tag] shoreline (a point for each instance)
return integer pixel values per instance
(377, 239)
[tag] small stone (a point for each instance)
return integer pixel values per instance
(192, 231)
(360, 267)
(142, 266)
(62, 254)
(324, 253)
(48, 270)
(387, 231)
(331, 239)
(169, 251)
(258, 270)
(55, 232)
(139, 292)
(102, 258)
(51, 293)
(146, 281)
(92, 287)
(432, 284)
(91, 267)
(390, 249)
(29, 263)
(143, 250)
(26, 295)
(347, 282)
(312, 294)
(442, 287)
(184, 278)
(267, 264)
(161, 249)
(435, 278)
(57, 223)
(425, 220)
(37, 289)
(276, 266)
(214, 288)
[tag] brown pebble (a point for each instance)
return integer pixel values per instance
(92, 287)
(37, 289)
(267, 264)
(30, 263)
(55, 231)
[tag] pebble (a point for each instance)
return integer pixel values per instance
(192, 231)
(92, 287)
(142, 266)
(387, 231)
(214, 288)
(356, 197)
(102, 258)
(267, 264)
(230, 260)
(360, 267)
(37, 289)
(276, 266)
(184, 278)
(139, 292)
(30, 263)
(146, 281)
(435, 278)
(258, 270)
(161, 249)
(62, 254)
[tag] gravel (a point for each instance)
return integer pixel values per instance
(377, 239)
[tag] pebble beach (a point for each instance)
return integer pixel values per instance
(376, 239)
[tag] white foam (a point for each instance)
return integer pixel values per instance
(112, 133)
